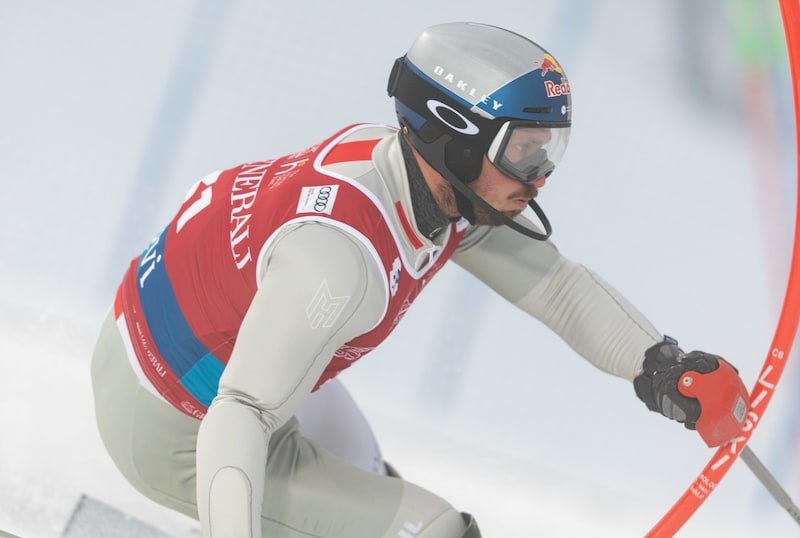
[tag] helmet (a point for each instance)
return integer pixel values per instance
(464, 90)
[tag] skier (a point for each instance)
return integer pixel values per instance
(215, 371)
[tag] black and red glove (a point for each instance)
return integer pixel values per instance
(700, 390)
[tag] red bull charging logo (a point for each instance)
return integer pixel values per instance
(549, 64)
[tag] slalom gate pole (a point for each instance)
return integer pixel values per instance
(785, 332)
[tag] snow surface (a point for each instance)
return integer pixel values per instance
(108, 112)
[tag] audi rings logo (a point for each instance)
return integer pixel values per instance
(452, 117)
(317, 199)
(323, 196)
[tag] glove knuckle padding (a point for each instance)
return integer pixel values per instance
(675, 405)
(684, 386)
(663, 369)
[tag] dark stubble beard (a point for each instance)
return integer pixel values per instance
(447, 198)
(485, 218)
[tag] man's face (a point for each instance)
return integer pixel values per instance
(508, 196)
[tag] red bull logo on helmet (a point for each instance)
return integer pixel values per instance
(555, 90)
(549, 64)
(552, 88)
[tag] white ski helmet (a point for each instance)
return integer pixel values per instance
(464, 90)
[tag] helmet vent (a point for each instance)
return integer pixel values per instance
(538, 109)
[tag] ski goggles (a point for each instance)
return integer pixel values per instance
(526, 151)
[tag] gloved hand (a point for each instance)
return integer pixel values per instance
(700, 390)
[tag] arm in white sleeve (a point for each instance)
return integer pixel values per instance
(320, 288)
(587, 313)
(592, 317)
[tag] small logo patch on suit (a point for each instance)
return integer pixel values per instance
(318, 199)
(394, 276)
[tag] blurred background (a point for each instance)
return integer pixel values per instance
(678, 188)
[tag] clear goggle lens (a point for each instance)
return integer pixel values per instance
(527, 152)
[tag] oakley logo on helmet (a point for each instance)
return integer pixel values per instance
(465, 87)
(452, 117)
